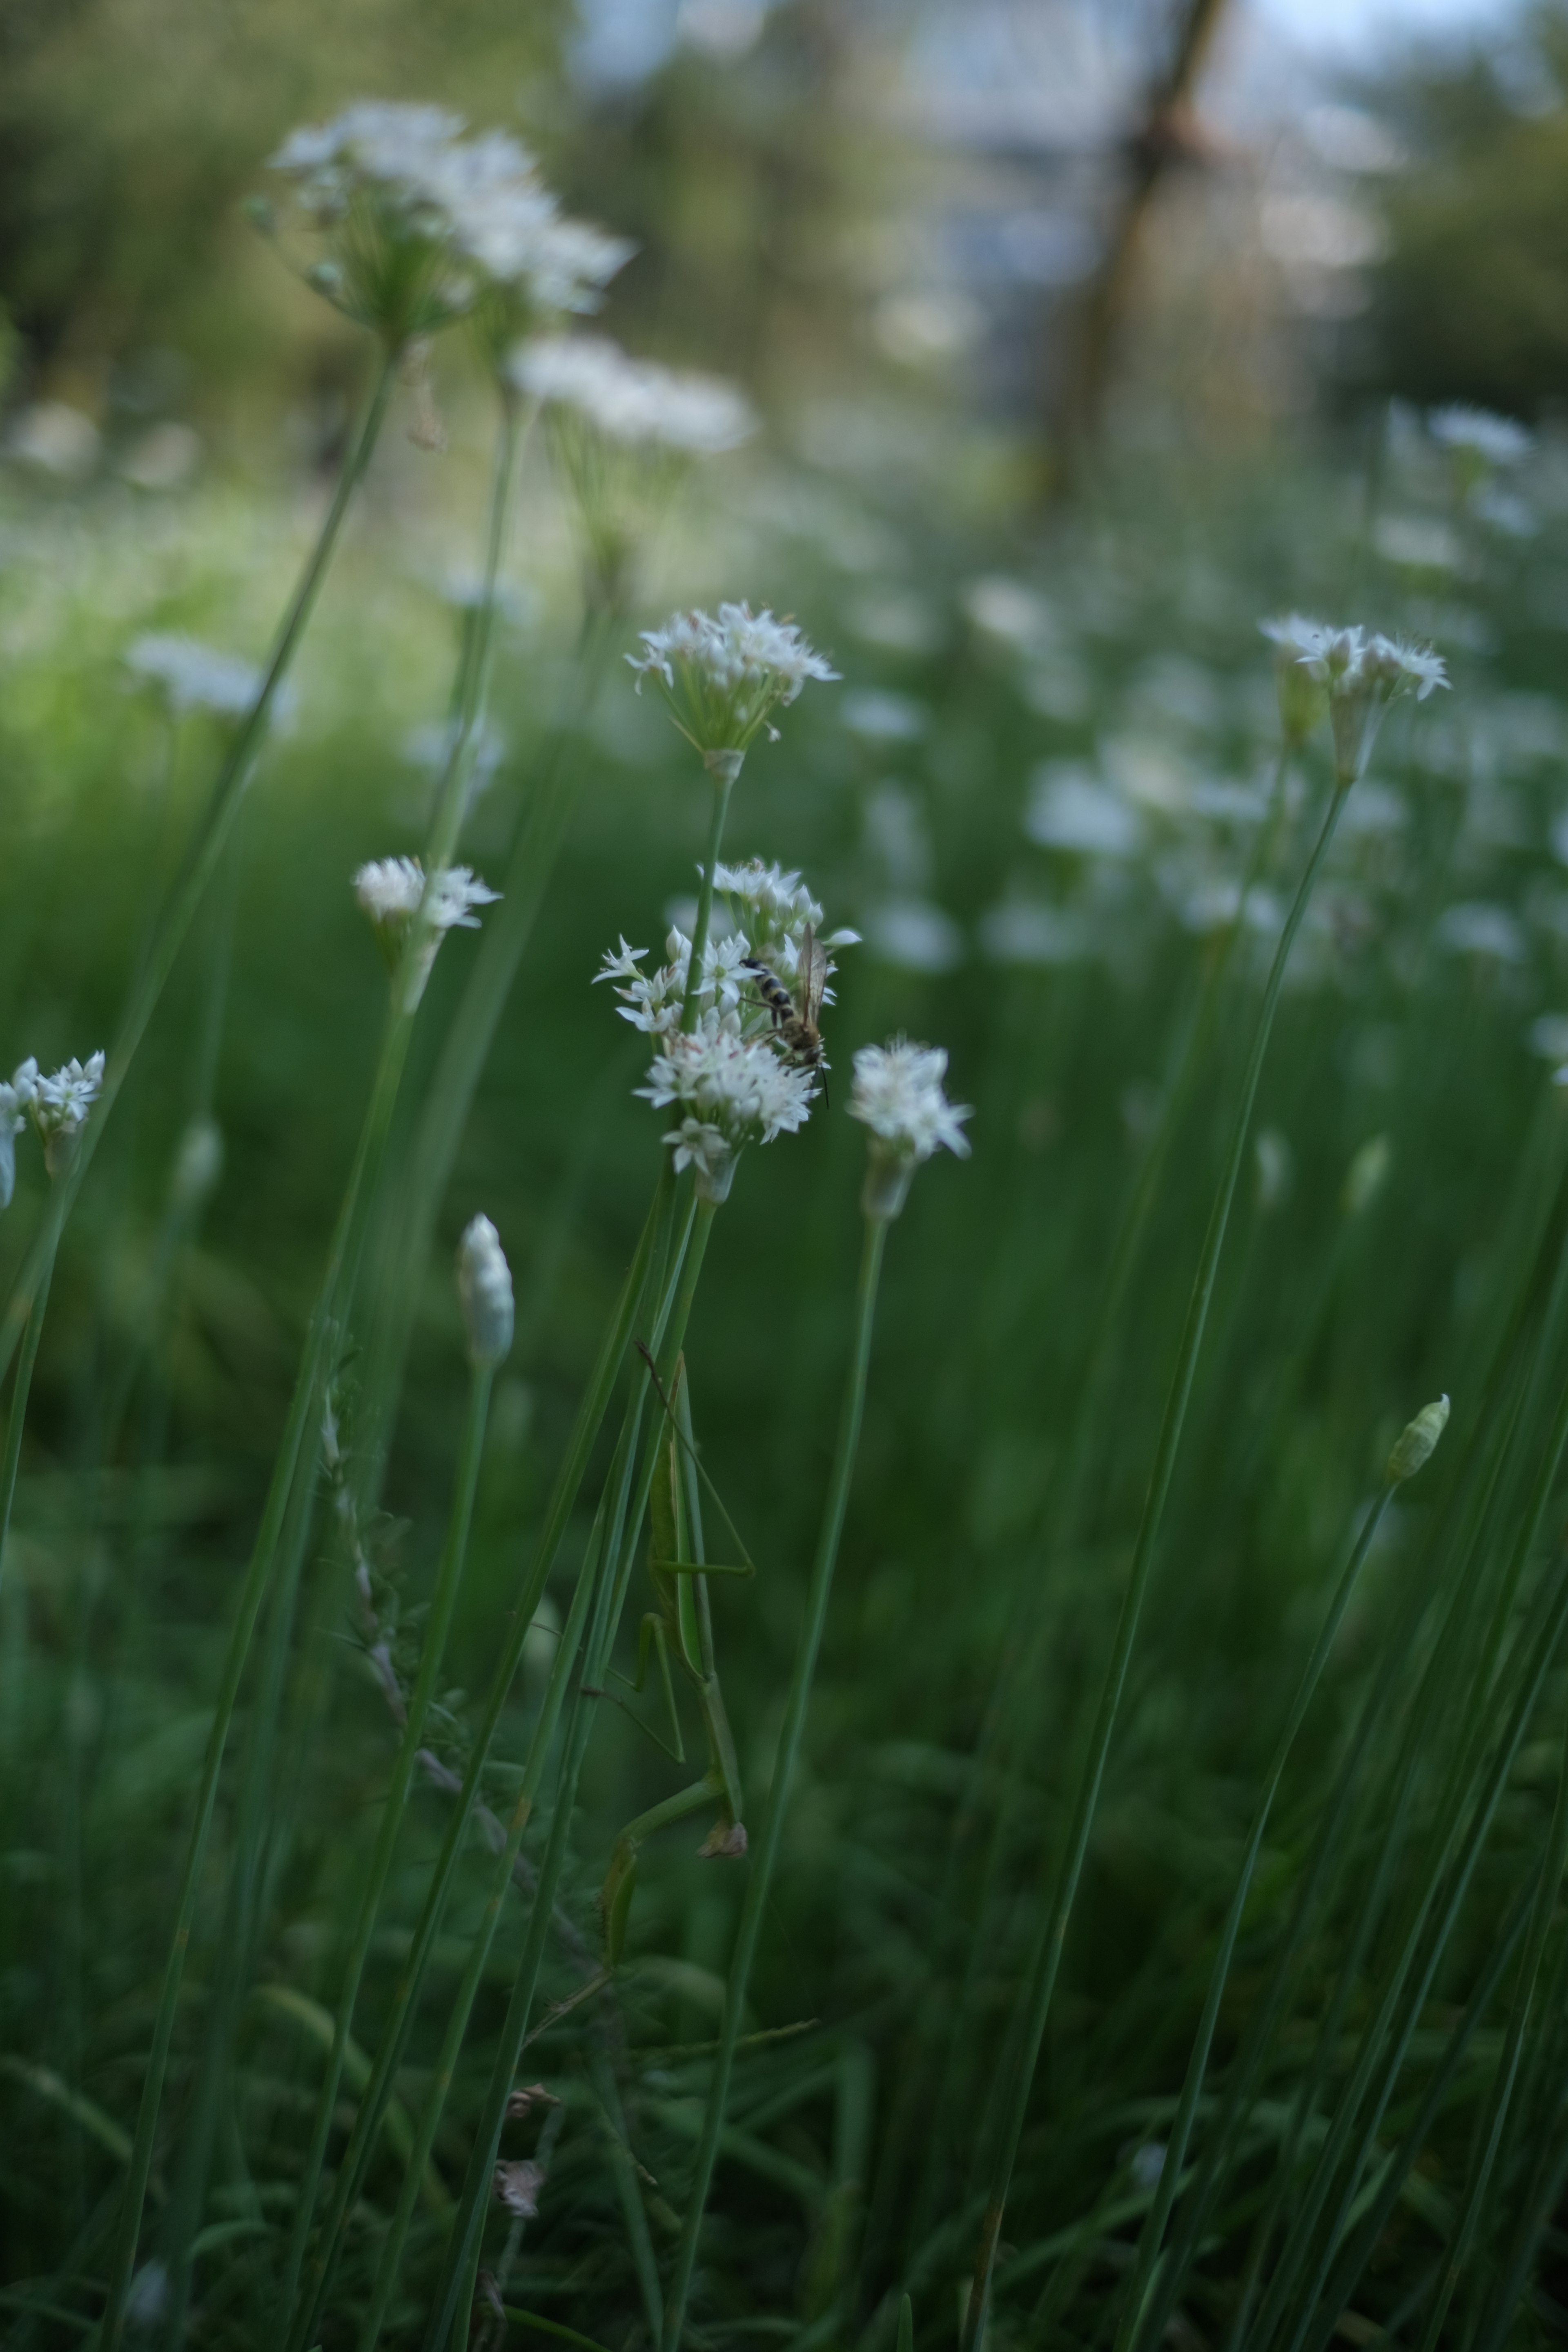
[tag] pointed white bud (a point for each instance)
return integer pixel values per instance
(484, 1287)
(1414, 1447)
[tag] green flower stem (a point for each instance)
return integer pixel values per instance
(1490, 2134)
(604, 1545)
(1450, 1877)
(449, 1578)
(1018, 1678)
(1151, 2237)
(304, 1415)
(645, 1279)
(21, 1388)
(479, 653)
(455, 2296)
(722, 788)
(503, 941)
(760, 1882)
(201, 857)
(1046, 1958)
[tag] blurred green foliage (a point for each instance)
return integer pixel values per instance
(1471, 302)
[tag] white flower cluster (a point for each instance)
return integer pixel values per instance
(1480, 433)
(732, 1089)
(633, 401)
(723, 675)
(484, 1292)
(730, 1076)
(194, 677)
(772, 910)
(1359, 676)
(897, 1093)
(450, 215)
(59, 1107)
(392, 890)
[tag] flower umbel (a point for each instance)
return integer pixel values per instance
(484, 1291)
(897, 1093)
(1363, 675)
(732, 1090)
(393, 892)
(724, 675)
(59, 1105)
(633, 401)
(423, 221)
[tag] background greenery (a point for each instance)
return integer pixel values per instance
(1122, 637)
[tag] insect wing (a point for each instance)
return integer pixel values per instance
(813, 976)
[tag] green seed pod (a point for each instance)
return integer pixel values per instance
(1414, 1447)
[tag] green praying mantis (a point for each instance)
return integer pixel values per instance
(677, 1633)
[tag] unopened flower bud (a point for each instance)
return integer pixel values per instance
(484, 1289)
(1413, 1448)
(198, 1164)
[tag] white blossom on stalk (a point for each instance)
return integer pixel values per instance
(16, 1094)
(730, 1090)
(391, 891)
(897, 1093)
(59, 1105)
(194, 677)
(633, 401)
(1363, 675)
(775, 908)
(484, 1292)
(423, 221)
(1480, 433)
(723, 675)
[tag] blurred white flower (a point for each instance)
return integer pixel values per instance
(1475, 927)
(1298, 644)
(1363, 675)
(881, 716)
(391, 891)
(1498, 440)
(634, 401)
(55, 438)
(1022, 932)
(1069, 809)
(15, 1095)
(1548, 1036)
(915, 934)
(423, 220)
(190, 675)
(484, 1292)
(723, 675)
(899, 1094)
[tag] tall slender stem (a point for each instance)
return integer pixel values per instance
(202, 855)
(1159, 2212)
(645, 1273)
(722, 788)
(1046, 1957)
(449, 1577)
(454, 2295)
(20, 1390)
(818, 1594)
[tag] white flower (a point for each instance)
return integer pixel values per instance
(730, 1090)
(723, 675)
(633, 401)
(1363, 675)
(59, 1104)
(1480, 433)
(484, 1291)
(897, 1094)
(701, 1146)
(391, 891)
(427, 219)
(15, 1095)
(194, 677)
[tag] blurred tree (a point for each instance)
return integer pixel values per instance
(1471, 301)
